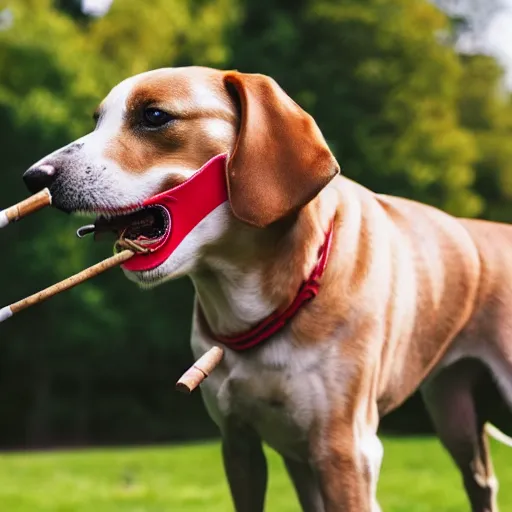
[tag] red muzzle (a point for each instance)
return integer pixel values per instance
(186, 205)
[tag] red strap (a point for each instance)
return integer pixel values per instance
(187, 205)
(277, 320)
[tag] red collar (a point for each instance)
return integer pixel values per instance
(278, 319)
(188, 204)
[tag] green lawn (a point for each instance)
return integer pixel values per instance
(417, 476)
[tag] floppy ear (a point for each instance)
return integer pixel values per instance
(281, 160)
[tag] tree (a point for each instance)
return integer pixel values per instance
(485, 108)
(370, 74)
(62, 356)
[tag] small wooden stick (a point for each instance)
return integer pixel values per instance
(200, 370)
(68, 283)
(27, 206)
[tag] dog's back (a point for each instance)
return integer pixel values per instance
(488, 334)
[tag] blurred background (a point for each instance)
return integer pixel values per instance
(413, 97)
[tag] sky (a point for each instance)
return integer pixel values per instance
(96, 7)
(497, 39)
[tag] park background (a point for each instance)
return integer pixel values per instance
(405, 92)
(403, 109)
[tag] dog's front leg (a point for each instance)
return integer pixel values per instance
(306, 485)
(246, 467)
(347, 459)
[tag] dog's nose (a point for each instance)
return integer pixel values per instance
(37, 178)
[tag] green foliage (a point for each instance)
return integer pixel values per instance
(417, 476)
(486, 109)
(84, 364)
(380, 84)
(403, 112)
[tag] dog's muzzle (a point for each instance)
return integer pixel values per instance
(164, 220)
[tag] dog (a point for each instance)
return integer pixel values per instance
(403, 296)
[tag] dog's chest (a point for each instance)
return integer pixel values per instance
(278, 390)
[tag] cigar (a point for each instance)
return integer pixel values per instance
(200, 370)
(68, 283)
(27, 206)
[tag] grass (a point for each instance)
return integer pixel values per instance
(417, 476)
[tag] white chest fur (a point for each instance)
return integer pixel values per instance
(278, 389)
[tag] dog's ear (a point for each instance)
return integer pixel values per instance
(280, 160)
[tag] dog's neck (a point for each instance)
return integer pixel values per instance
(251, 272)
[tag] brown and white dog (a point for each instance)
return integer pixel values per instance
(407, 292)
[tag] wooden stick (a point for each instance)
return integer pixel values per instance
(200, 370)
(68, 283)
(30, 205)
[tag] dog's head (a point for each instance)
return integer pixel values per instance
(155, 130)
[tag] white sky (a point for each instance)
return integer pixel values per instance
(498, 39)
(96, 7)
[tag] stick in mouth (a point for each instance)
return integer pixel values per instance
(138, 226)
(26, 207)
(134, 231)
(68, 283)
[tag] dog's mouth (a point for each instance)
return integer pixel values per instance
(155, 228)
(146, 226)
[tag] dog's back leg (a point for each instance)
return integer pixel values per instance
(450, 402)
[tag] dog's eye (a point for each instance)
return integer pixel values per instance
(154, 117)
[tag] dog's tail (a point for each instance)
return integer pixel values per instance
(497, 434)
